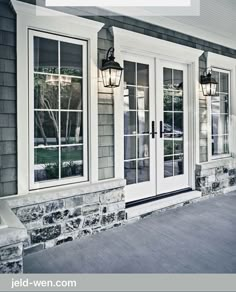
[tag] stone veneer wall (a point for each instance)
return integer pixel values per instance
(57, 221)
(12, 236)
(11, 258)
(216, 177)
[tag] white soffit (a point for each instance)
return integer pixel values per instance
(216, 22)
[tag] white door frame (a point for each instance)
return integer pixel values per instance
(139, 44)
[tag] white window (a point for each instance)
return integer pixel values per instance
(220, 114)
(57, 109)
(222, 108)
(57, 141)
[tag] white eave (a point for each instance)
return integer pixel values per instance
(153, 46)
(38, 11)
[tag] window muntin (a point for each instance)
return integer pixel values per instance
(220, 114)
(58, 111)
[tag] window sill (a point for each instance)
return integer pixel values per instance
(55, 193)
(228, 161)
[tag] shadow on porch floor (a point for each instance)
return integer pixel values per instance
(198, 238)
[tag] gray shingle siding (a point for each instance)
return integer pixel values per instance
(105, 98)
(8, 158)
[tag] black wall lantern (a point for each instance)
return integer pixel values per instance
(111, 70)
(208, 84)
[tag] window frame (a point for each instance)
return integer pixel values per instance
(59, 181)
(58, 23)
(220, 62)
(226, 155)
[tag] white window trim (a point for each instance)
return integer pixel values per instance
(68, 26)
(135, 43)
(224, 63)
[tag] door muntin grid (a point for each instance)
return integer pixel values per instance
(173, 115)
(136, 123)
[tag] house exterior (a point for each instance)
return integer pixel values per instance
(78, 158)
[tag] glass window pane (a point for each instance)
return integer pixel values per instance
(45, 55)
(143, 146)
(130, 147)
(178, 79)
(168, 104)
(130, 172)
(178, 146)
(71, 127)
(168, 124)
(220, 124)
(129, 98)
(130, 123)
(168, 147)
(72, 161)
(220, 145)
(46, 164)
(168, 78)
(178, 165)
(143, 170)
(224, 82)
(142, 75)
(143, 122)
(178, 101)
(71, 59)
(129, 73)
(178, 124)
(46, 128)
(143, 98)
(45, 92)
(168, 166)
(72, 95)
(216, 76)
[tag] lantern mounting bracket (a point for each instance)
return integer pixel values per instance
(109, 56)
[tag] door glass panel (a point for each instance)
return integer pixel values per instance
(143, 170)
(129, 98)
(173, 122)
(136, 123)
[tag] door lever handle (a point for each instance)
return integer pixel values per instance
(153, 130)
(161, 129)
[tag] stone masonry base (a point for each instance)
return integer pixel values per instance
(55, 222)
(216, 177)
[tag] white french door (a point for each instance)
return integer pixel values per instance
(139, 116)
(172, 117)
(155, 127)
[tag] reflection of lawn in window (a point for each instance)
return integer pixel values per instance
(50, 155)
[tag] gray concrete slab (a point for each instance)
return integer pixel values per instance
(198, 238)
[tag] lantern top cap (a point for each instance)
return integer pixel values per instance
(208, 79)
(109, 62)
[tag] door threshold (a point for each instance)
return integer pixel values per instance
(141, 210)
(156, 198)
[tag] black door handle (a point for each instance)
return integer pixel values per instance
(161, 129)
(153, 130)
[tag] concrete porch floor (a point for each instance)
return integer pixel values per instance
(198, 238)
